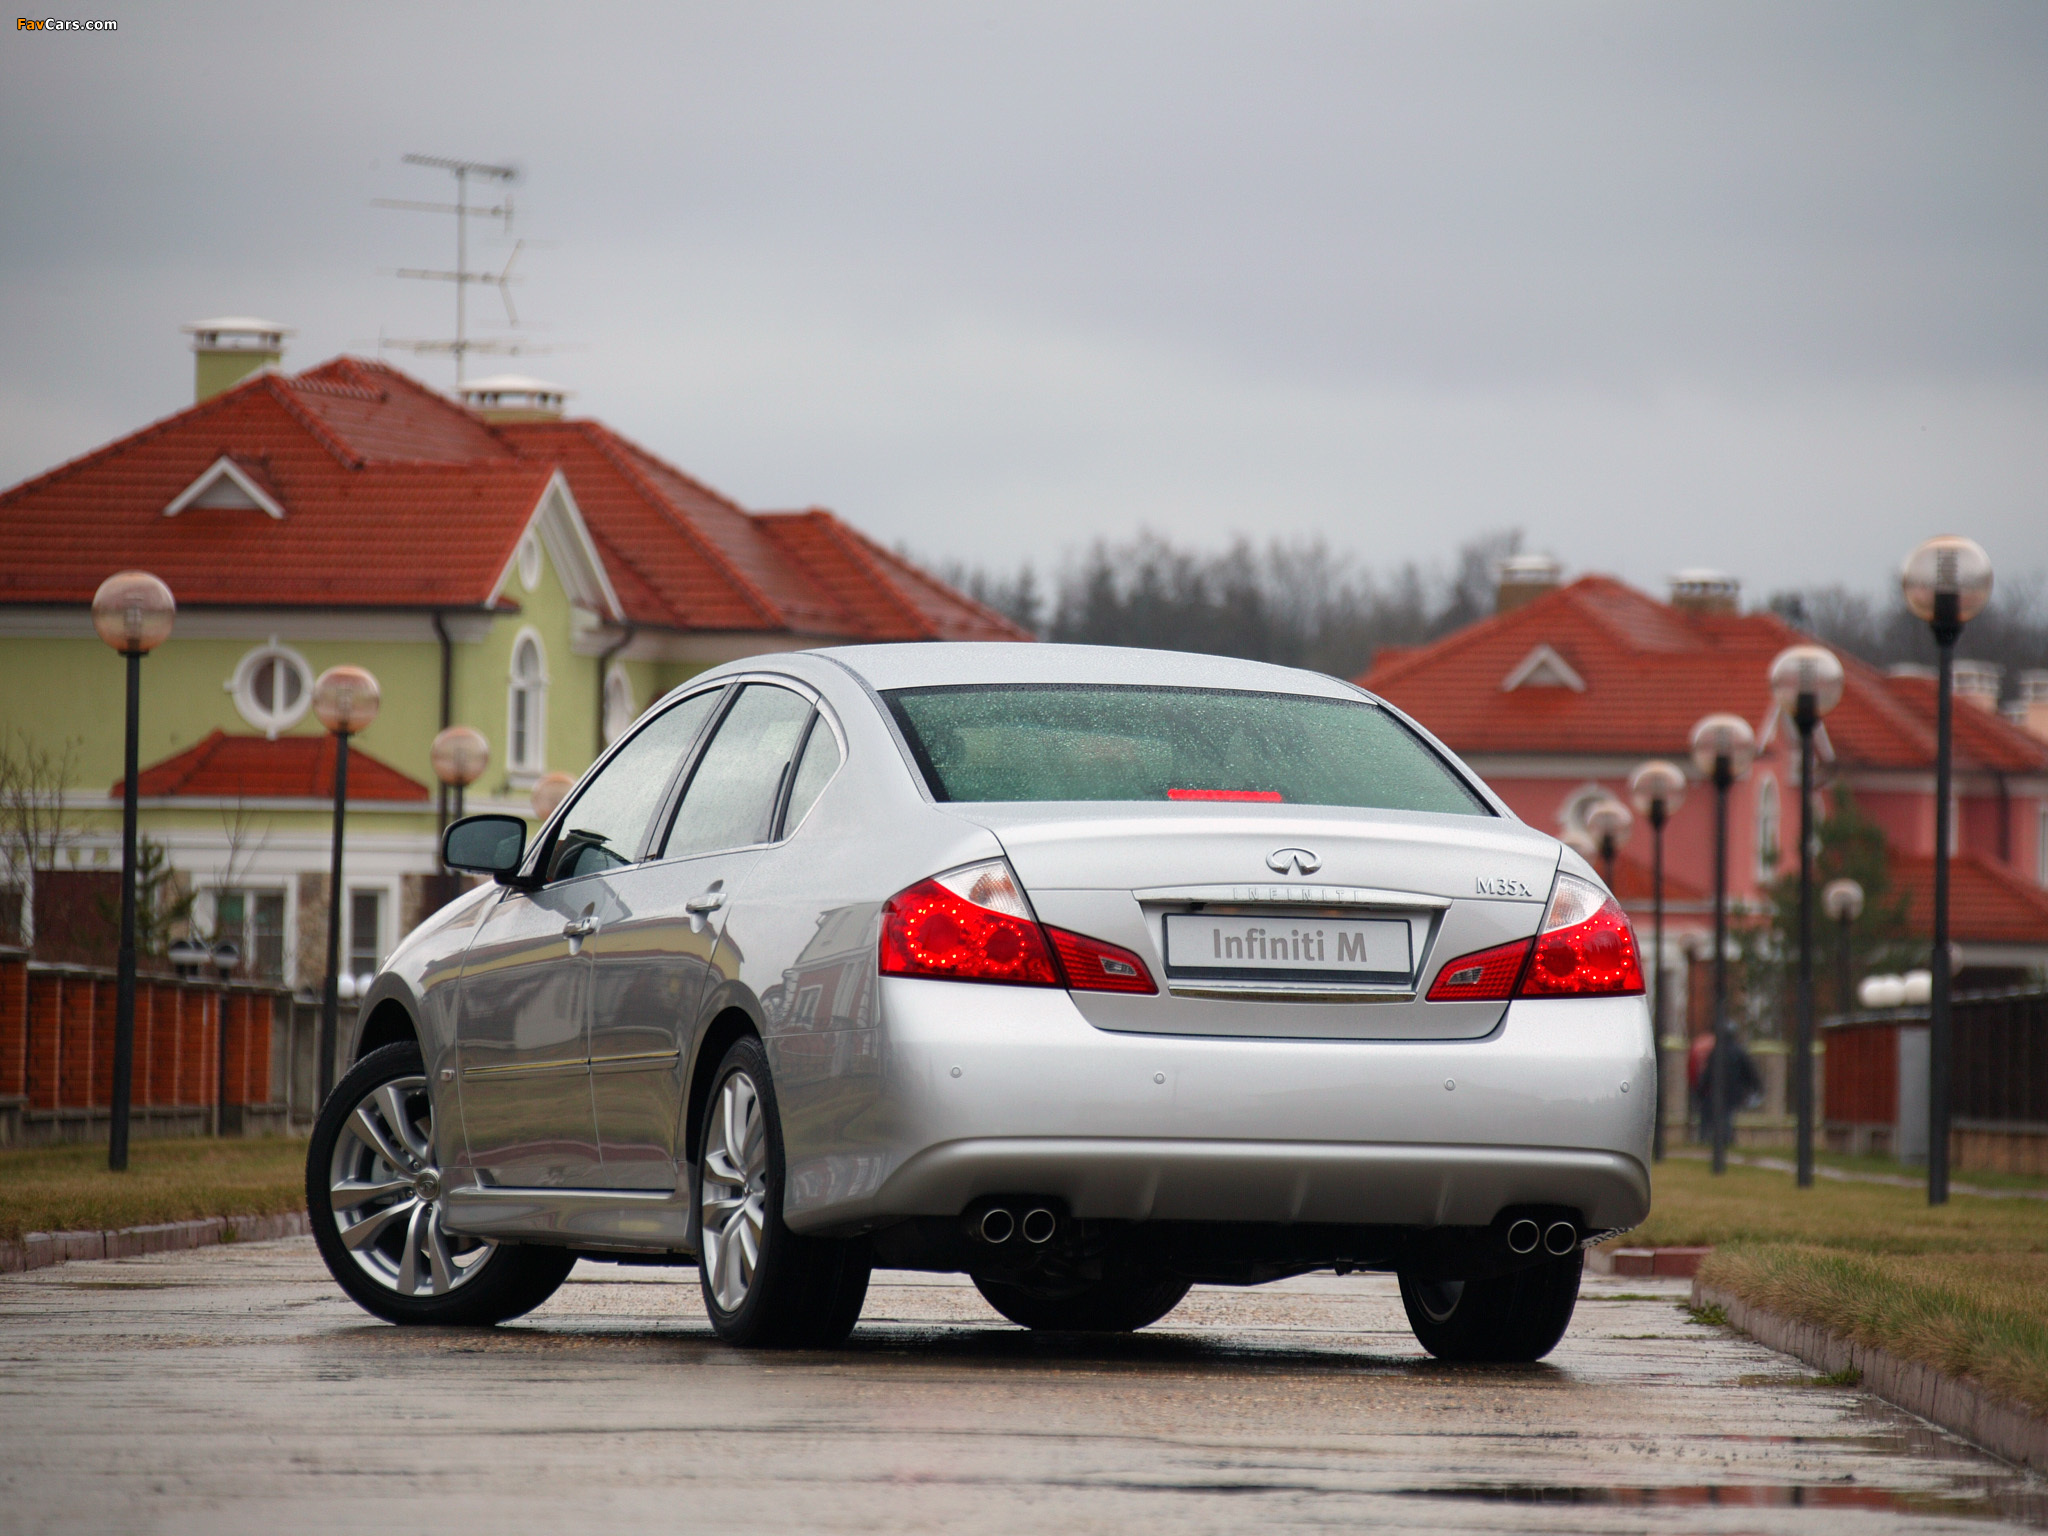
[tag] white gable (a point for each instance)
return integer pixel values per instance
(1543, 668)
(224, 484)
(558, 523)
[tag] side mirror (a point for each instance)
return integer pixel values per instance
(489, 845)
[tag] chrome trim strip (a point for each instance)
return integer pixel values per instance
(521, 1068)
(634, 1058)
(1296, 896)
(1280, 992)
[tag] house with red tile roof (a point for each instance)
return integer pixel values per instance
(1557, 697)
(492, 561)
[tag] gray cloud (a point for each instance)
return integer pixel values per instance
(1751, 285)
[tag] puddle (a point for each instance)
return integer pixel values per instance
(2014, 1501)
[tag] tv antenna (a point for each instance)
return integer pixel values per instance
(461, 346)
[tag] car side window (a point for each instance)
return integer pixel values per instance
(608, 819)
(814, 769)
(733, 791)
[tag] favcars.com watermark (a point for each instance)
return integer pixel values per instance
(59, 24)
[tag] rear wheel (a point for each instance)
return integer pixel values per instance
(1515, 1317)
(373, 1190)
(764, 1286)
(1118, 1303)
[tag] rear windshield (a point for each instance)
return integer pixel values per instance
(1046, 742)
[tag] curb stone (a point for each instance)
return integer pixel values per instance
(1957, 1406)
(39, 1250)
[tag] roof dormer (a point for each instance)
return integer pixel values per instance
(1543, 668)
(229, 486)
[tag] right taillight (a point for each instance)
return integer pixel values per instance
(1585, 948)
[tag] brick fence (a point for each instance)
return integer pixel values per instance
(211, 1057)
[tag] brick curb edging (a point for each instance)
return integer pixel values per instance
(39, 1250)
(1998, 1427)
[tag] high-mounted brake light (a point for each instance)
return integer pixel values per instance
(973, 924)
(1585, 948)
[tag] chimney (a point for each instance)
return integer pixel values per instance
(2030, 710)
(228, 349)
(1521, 579)
(1978, 682)
(1701, 591)
(514, 397)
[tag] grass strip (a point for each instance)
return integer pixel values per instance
(68, 1188)
(1962, 1287)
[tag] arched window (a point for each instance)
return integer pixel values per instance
(618, 704)
(272, 687)
(1768, 818)
(526, 707)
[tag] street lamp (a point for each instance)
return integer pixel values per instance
(1843, 901)
(549, 791)
(133, 612)
(1947, 582)
(460, 754)
(1608, 823)
(1806, 680)
(1658, 789)
(346, 700)
(1723, 747)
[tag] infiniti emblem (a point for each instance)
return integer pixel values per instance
(1293, 860)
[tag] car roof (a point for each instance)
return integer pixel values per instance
(939, 664)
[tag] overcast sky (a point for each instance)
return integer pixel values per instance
(1755, 286)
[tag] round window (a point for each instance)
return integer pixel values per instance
(272, 688)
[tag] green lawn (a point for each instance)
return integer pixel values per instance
(1962, 1287)
(67, 1189)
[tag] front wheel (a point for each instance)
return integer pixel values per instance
(1514, 1317)
(764, 1286)
(1119, 1303)
(373, 1190)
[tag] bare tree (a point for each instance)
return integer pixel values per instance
(34, 832)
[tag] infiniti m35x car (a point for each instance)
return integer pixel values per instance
(1089, 973)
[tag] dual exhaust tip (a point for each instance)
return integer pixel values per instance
(1557, 1239)
(998, 1224)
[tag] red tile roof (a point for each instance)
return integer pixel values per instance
(1651, 671)
(225, 767)
(1988, 903)
(396, 497)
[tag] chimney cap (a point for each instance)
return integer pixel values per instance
(514, 397)
(237, 333)
(1519, 579)
(1701, 589)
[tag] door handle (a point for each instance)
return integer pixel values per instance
(710, 901)
(579, 927)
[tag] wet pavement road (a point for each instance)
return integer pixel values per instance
(234, 1389)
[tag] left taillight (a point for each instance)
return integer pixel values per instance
(973, 924)
(1585, 948)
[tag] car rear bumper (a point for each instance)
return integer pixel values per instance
(982, 1090)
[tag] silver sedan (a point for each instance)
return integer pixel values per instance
(1089, 973)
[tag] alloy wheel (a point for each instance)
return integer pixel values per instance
(385, 1190)
(734, 1198)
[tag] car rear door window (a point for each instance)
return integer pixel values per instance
(733, 791)
(605, 825)
(814, 770)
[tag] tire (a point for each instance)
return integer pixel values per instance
(387, 1248)
(1121, 1303)
(793, 1292)
(1515, 1317)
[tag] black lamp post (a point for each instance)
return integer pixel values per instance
(1947, 582)
(1723, 747)
(1843, 901)
(133, 612)
(1609, 823)
(1658, 789)
(346, 700)
(1806, 680)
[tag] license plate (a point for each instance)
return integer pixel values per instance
(1288, 949)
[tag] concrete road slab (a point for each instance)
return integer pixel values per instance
(236, 1389)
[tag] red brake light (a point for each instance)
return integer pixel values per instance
(930, 930)
(1093, 966)
(1485, 977)
(1585, 948)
